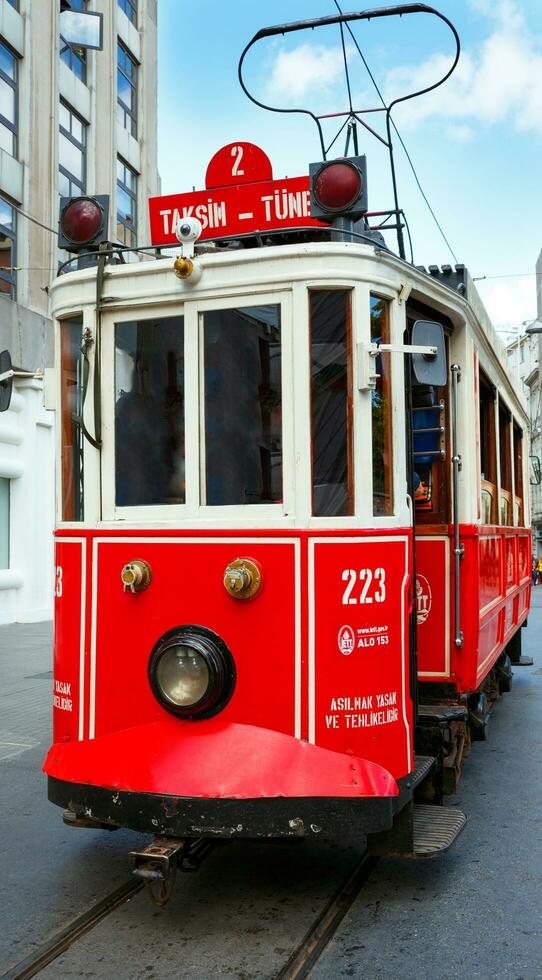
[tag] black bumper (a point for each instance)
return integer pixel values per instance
(170, 816)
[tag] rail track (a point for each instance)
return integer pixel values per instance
(298, 965)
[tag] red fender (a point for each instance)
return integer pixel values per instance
(216, 760)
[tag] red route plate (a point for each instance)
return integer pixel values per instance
(241, 198)
(242, 209)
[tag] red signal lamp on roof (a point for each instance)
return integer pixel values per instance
(83, 222)
(339, 189)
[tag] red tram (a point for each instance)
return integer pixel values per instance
(293, 548)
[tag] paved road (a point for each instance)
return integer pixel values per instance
(475, 912)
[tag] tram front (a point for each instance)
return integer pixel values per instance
(234, 548)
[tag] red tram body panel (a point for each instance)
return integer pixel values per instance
(334, 655)
(495, 593)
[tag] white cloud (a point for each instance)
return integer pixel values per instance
(509, 301)
(498, 81)
(305, 69)
(461, 133)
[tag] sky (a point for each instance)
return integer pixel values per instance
(476, 142)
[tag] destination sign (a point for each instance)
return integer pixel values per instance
(254, 203)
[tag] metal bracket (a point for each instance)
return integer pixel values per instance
(19, 373)
(366, 377)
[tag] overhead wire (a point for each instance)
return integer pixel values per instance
(400, 138)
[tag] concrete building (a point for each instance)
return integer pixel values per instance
(71, 122)
(524, 357)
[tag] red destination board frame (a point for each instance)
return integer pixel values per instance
(241, 198)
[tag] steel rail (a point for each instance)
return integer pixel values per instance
(59, 943)
(313, 944)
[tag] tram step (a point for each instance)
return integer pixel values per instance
(435, 829)
(523, 661)
(422, 767)
(433, 712)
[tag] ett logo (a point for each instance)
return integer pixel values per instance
(346, 640)
(423, 599)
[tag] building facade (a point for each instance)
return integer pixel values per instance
(71, 122)
(524, 358)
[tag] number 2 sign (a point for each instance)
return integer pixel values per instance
(238, 163)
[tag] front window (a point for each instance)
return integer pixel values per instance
(149, 412)
(71, 153)
(126, 204)
(126, 90)
(331, 403)
(72, 56)
(8, 100)
(71, 332)
(8, 276)
(381, 412)
(242, 406)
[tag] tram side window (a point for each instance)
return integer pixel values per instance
(518, 475)
(488, 455)
(149, 412)
(381, 413)
(505, 503)
(243, 406)
(71, 399)
(331, 403)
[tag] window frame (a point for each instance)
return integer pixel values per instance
(80, 185)
(13, 127)
(488, 480)
(129, 113)
(388, 389)
(70, 54)
(130, 228)
(132, 6)
(226, 515)
(5, 276)
(349, 291)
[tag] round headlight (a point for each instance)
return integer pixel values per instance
(191, 672)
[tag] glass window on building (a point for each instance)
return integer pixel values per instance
(8, 231)
(126, 204)
(14, 3)
(130, 9)
(126, 90)
(75, 58)
(71, 153)
(8, 100)
(4, 523)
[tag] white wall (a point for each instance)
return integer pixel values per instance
(27, 460)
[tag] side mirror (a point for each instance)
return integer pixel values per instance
(6, 380)
(535, 473)
(429, 369)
